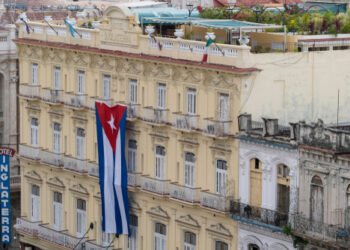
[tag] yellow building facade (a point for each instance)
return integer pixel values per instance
(181, 155)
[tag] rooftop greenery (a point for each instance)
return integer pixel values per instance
(296, 20)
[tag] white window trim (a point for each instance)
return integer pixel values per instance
(106, 86)
(57, 78)
(133, 91)
(81, 78)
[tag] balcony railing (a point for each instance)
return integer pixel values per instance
(133, 179)
(90, 245)
(258, 215)
(35, 229)
(51, 158)
(217, 128)
(29, 152)
(319, 230)
(15, 182)
(54, 96)
(133, 111)
(92, 168)
(75, 100)
(157, 116)
(92, 100)
(185, 121)
(215, 201)
(31, 91)
(75, 164)
(154, 185)
(183, 193)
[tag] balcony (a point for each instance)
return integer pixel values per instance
(29, 91)
(155, 116)
(183, 193)
(156, 186)
(185, 122)
(15, 182)
(217, 128)
(92, 100)
(133, 179)
(74, 164)
(29, 152)
(92, 245)
(259, 216)
(215, 201)
(36, 230)
(54, 159)
(78, 101)
(330, 236)
(52, 96)
(133, 111)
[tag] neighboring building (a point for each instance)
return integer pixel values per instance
(8, 106)
(181, 155)
(323, 218)
(268, 184)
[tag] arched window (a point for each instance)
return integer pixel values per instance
(220, 245)
(316, 197)
(253, 247)
(255, 182)
(189, 241)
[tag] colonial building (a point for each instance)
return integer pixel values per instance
(323, 214)
(268, 183)
(182, 158)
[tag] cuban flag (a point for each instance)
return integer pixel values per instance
(110, 125)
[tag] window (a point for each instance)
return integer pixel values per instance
(132, 149)
(191, 101)
(57, 78)
(35, 74)
(161, 96)
(223, 107)
(253, 247)
(133, 232)
(35, 203)
(80, 143)
(34, 132)
(57, 210)
(160, 237)
(257, 163)
(221, 177)
(190, 241)
(81, 82)
(56, 137)
(189, 169)
(160, 162)
(132, 91)
(81, 217)
(219, 245)
(283, 171)
(106, 87)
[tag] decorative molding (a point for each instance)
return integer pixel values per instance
(188, 220)
(220, 230)
(79, 189)
(33, 175)
(158, 212)
(134, 205)
(55, 181)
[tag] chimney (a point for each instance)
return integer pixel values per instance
(293, 131)
(245, 122)
(270, 126)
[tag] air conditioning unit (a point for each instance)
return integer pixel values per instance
(211, 129)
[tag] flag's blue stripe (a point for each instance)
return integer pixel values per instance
(124, 179)
(118, 219)
(101, 165)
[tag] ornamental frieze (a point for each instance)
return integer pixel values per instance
(102, 63)
(56, 56)
(78, 59)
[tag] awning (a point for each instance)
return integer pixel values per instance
(227, 24)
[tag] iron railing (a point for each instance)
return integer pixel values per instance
(246, 212)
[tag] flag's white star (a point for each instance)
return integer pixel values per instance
(111, 123)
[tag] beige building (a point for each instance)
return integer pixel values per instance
(181, 155)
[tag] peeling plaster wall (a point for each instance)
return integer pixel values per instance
(298, 86)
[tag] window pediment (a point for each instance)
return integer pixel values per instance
(79, 189)
(55, 181)
(158, 212)
(220, 230)
(33, 175)
(188, 220)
